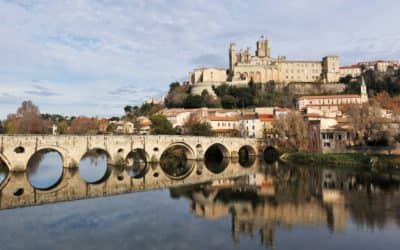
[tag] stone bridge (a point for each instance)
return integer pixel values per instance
(16, 150)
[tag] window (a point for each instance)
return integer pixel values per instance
(327, 144)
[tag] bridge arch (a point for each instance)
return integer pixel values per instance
(61, 150)
(270, 154)
(91, 170)
(4, 171)
(190, 153)
(45, 168)
(6, 162)
(97, 150)
(176, 162)
(216, 158)
(137, 162)
(247, 156)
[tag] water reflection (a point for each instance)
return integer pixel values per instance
(93, 166)
(45, 169)
(174, 162)
(216, 158)
(3, 171)
(287, 197)
(137, 163)
(246, 204)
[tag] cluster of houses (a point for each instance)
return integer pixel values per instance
(328, 126)
(227, 122)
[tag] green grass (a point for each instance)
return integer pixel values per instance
(342, 160)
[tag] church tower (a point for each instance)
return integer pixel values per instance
(364, 94)
(232, 58)
(263, 48)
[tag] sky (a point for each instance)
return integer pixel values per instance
(87, 57)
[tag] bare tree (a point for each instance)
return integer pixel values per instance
(292, 130)
(27, 120)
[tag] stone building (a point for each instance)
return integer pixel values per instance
(261, 67)
(331, 103)
(380, 66)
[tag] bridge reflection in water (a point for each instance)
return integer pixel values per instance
(259, 198)
(47, 181)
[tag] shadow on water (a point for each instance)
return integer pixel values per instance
(93, 167)
(45, 169)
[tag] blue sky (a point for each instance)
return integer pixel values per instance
(86, 57)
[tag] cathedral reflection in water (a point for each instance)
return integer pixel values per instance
(286, 197)
(259, 198)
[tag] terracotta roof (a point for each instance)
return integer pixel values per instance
(266, 118)
(328, 97)
(249, 116)
(281, 109)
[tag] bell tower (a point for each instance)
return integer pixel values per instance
(233, 58)
(364, 94)
(263, 48)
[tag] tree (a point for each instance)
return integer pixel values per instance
(84, 125)
(176, 96)
(228, 102)
(62, 127)
(194, 101)
(27, 120)
(347, 79)
(209, 100)
(194, 126)
(202, 129)
(366, 122)
(128, 109)
(111, 128)
(292, 131)
(161, 126)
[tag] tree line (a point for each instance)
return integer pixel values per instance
(228, 96)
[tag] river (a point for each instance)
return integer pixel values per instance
(271, 206)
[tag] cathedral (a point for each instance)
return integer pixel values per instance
(244, 66)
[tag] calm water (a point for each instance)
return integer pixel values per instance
(276, 207)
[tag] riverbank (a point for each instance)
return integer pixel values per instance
(342, 160)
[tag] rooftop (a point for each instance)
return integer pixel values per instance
(328, 97)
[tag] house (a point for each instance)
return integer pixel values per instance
(143, 125)
(124, 127)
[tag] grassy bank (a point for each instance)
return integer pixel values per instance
(342, 160)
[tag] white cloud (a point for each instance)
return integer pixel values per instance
(84, 49)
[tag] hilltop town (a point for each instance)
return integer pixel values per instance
(317, 106)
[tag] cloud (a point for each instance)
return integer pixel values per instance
(41, 91)
(86, 50)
